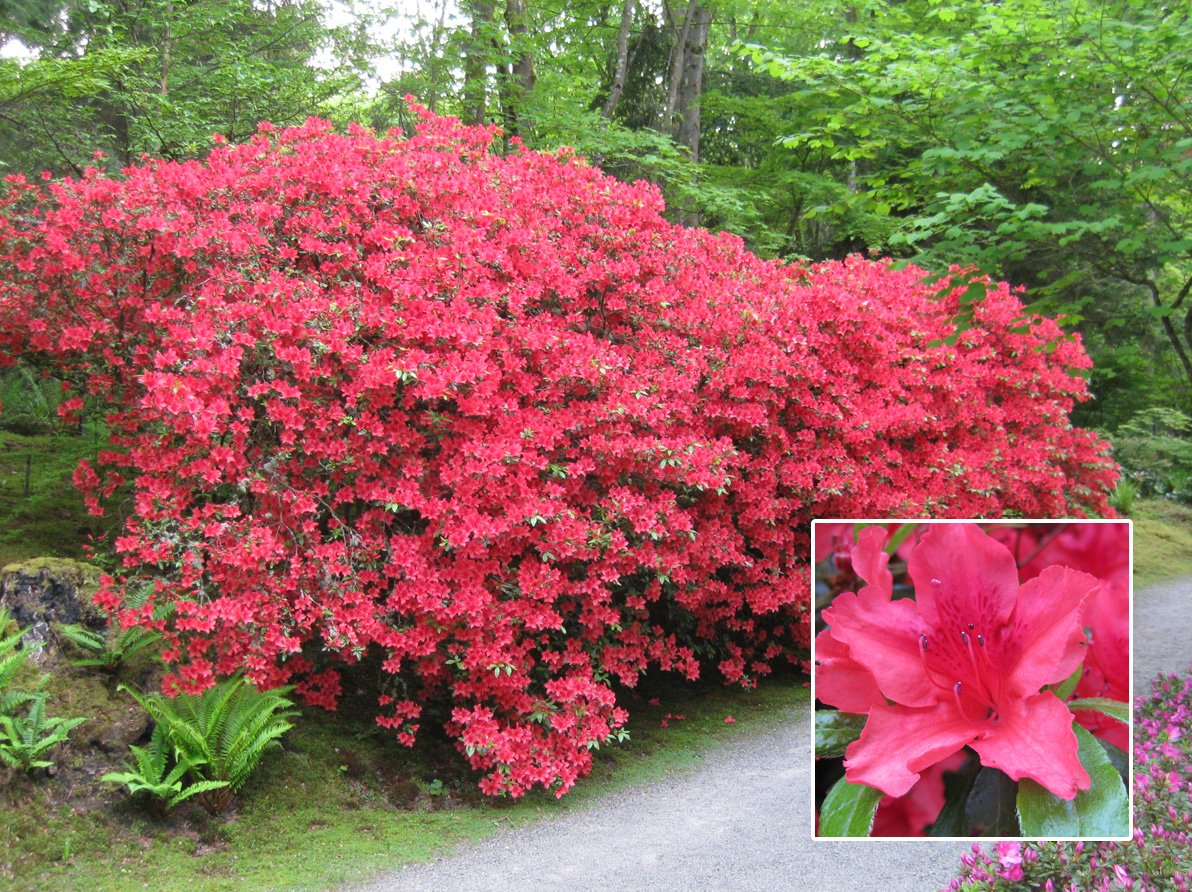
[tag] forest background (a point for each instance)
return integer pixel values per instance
(1045, 142)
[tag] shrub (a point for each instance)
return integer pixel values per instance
(495, 420)
(110, 649)
(26, 734)
(1155, 450)
(26, 739)
(151, 774)
(12, 660)
(1122, 498)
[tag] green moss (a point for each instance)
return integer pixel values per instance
(87, 574)
(49, 518)
(1162, 541)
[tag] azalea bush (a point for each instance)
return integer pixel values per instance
(998, 643)
(1159, 856)
(495, 423)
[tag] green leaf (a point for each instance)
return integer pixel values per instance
(900, 536)
(1100, 811)
(848, 810)
(1065, 689)
(991, 804)
(1115, 709)
(1119, 759)
(836, 730)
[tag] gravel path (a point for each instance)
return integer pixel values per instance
(741, 820)
(1162, 631)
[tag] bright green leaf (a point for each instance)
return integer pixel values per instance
(1100, 811)
(1115, 709)
(848, 810)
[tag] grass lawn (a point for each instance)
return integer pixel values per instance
(1162, 541)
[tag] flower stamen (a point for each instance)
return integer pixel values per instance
(956, 695)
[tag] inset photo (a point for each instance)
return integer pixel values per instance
(972, 679)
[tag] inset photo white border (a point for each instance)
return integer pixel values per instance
(905, 699)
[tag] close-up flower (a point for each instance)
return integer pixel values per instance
(966, 662)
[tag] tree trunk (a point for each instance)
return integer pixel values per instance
(519, 30)
(517, 80)
(675, 63)
(622, 67)
(476, 56)
(691, 85)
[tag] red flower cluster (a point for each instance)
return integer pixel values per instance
(496, 419)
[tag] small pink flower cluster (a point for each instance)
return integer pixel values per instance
(1157, 859)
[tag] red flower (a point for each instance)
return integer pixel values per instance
(1102, 549)
(963, 663)
(912, 813)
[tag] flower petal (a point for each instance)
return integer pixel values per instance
(870, 560)
(1044, 629)
(898, 743)
(840, 680)
(883, 636)
(1036, 741)
(977, 577)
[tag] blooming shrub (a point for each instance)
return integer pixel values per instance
(1157, 859)
(495, 419)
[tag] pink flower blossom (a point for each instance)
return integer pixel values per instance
(962, 664)
(1009, 853)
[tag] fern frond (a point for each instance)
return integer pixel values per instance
(195, 789)
(221, 734)
(83, 638)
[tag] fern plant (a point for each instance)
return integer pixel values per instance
(1121, 499)
(11, 661)
(222, 733)
(24, 741)
(148, 775)
(109, 651)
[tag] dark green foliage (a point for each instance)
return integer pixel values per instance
(28, 402)
(1047, 143)
(1155, 451)
(161, 77)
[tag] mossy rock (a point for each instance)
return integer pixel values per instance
(47, 590)
(114, 719)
